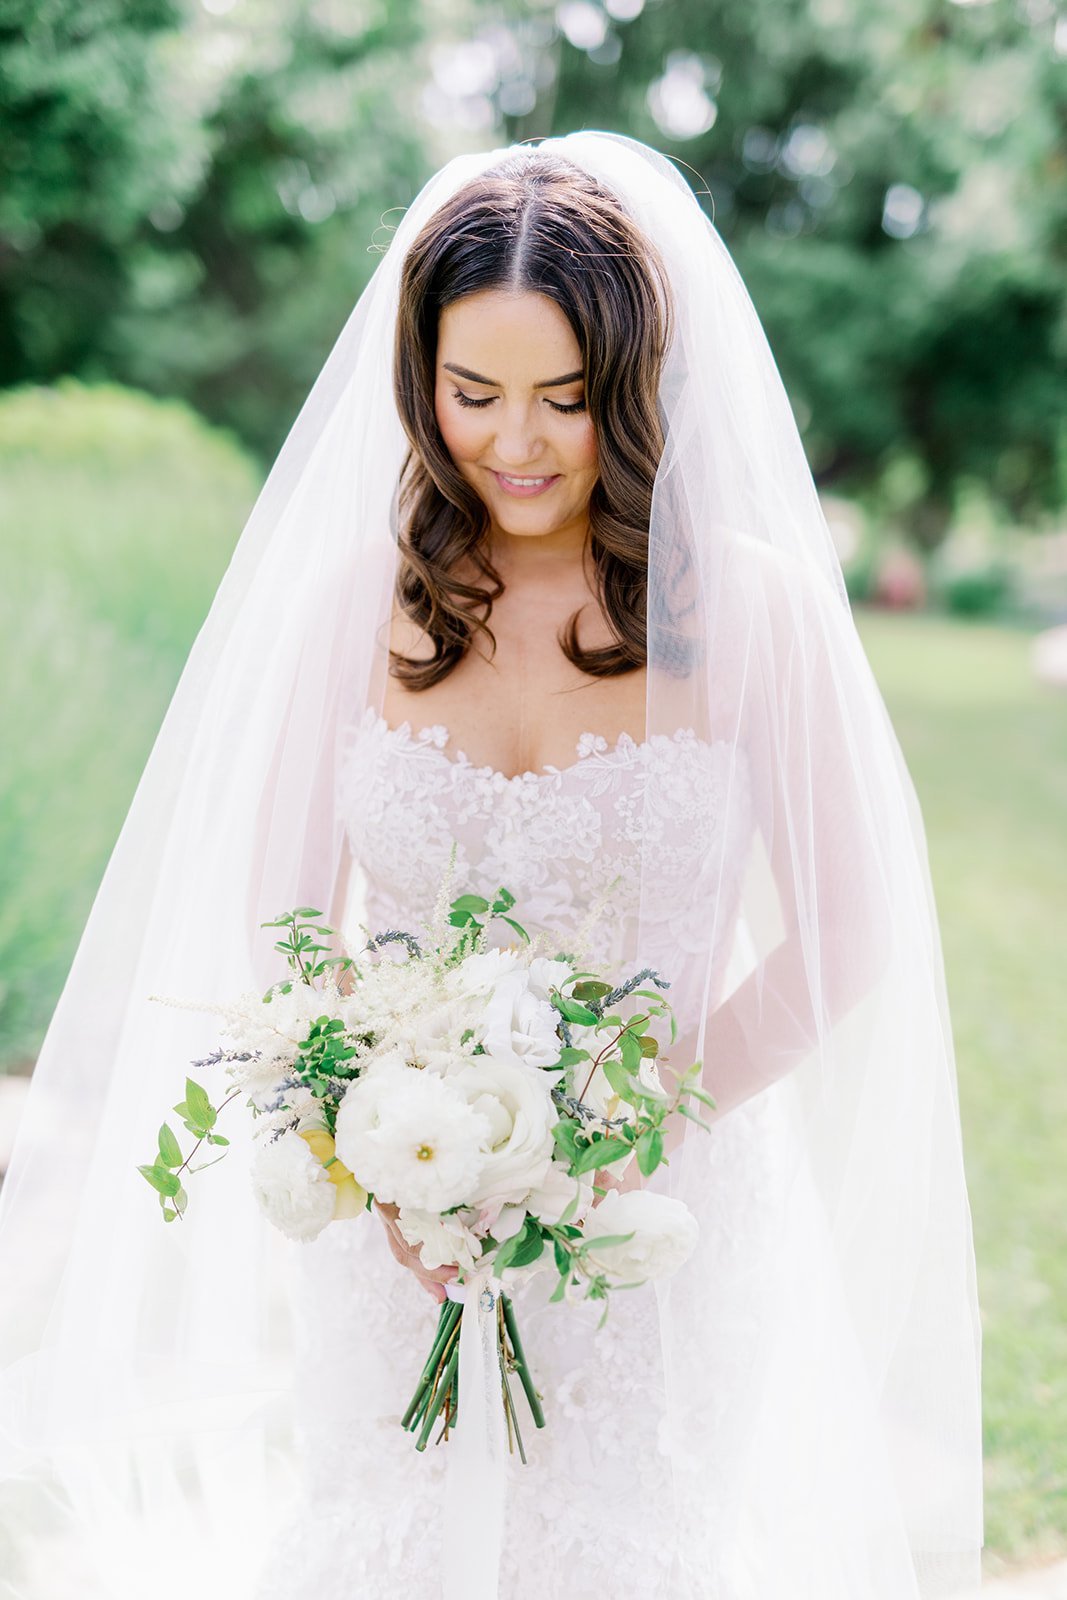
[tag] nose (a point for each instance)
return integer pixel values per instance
(516, 443)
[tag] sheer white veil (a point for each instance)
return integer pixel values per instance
(145, 1369)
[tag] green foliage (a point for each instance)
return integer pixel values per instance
(192, 229)
(118, 515)
(940, 333)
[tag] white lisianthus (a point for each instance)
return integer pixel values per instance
(292, 1186)
(516, 1104)
(479, 974)
(517, 1026)
(555, 1192)
(545, 973)
(664, 1232)
(275, 1028)
(410, 1138)
(442, 1241)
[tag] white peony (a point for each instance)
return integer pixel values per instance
(292, 1186)
(515, 1102)
(518, 1026)
(550, 1199)
(442, 1241)
(664, 1235)
(410, 1138)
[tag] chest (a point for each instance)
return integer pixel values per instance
(524, 706)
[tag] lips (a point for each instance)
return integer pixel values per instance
(522, 487)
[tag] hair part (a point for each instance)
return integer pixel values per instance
(534, 222)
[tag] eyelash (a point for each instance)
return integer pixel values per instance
(567, 411)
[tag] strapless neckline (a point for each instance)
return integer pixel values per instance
(589, 746)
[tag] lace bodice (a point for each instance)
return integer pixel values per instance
(564, 840)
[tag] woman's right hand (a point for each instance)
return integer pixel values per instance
(432, 1279)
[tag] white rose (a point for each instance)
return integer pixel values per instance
(442, 1241)
(664, 1235)
(515, 1101)
(292, 1186)
(550, 1199)
(517, 1026)
(410, 1138)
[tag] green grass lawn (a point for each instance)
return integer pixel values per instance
(987, 748)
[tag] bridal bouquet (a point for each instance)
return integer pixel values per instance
(479, 1090)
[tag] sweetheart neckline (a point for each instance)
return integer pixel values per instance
(420, 739)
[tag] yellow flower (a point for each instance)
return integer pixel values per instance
(351, 1197)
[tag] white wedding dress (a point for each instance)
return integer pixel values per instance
(591, 1515)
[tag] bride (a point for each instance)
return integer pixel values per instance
(540, 576)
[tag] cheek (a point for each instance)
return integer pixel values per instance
(582, 455)
(462, 431)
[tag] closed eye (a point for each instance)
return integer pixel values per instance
(469, 400)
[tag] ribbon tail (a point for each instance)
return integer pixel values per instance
(476, 1476)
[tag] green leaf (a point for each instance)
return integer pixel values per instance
(649, 1150)
(601, 1153)
(693, 1117)
(522, 1248)
(170, 1151)
(702, 1095)
(570, 1055)
(565, 1133)
(591, 989)
(201, 1111)
(306, 911)
(559, 1291)
(649, 1044)
(168, 1214)
(605, 1238)
(619, 1078)
(562, 1255)
(516, 925)
(631, 1051)
(470, 903)
(162, 1179)
(573, 1011)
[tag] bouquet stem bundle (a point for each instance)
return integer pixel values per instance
(437, 1391)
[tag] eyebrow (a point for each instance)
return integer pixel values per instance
(492, 383)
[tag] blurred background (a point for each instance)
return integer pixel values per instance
(194, 192)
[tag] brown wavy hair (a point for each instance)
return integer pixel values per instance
(533, 222)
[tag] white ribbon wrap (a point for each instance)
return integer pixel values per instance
(476, 1482)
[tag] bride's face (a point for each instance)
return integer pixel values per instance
(510, 404)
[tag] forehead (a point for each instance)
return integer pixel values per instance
(501, 334)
